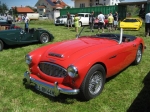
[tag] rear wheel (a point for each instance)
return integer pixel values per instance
(44, 38)
(1, 45)
(138, 55)
(93, 83)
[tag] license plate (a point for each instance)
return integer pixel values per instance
(44, 90)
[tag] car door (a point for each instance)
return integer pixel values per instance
(86, 19)
(120, 56)
(11, 37)
(28, 37)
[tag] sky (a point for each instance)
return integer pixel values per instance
(13, 3)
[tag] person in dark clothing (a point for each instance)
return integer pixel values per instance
(142, 13)
(115, 20)
(147, 24)
(69, 20)
(91, 21)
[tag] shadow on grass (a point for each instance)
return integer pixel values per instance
(62, 98)
(142, 101)
(22, 45)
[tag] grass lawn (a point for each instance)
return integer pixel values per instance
(127, 91)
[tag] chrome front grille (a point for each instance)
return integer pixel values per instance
(52, 69)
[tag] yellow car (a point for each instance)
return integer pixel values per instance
(131, 23)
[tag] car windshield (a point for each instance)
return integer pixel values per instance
(130, 20)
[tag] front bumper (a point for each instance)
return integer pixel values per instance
(55, 88)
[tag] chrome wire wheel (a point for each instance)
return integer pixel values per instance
(139, 55)
(95, 82)
(44, 38)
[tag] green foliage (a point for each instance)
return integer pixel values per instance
(3, 8)
(129, 90)
(133, 9)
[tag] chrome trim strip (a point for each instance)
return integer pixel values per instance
(56, 89)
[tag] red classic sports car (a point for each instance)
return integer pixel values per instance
(80, 66)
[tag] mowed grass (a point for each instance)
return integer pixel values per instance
(128, 90)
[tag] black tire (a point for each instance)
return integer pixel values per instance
(138, 57)
(80, 24)
(1, 45)
(93, 83)
(44, 38)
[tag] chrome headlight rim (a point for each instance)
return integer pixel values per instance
(28, 59)
(72, 71)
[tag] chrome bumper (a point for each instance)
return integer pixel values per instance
(55, 88)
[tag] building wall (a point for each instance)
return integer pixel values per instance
(46, 10)
(93, 3)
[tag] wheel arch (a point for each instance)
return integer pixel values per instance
(78, 81)
(3, 41)
(101, 63)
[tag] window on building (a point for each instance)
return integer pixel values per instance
(97, 3)
(40, 9)
(82, 5)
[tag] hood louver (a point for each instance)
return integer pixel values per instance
(56, 55)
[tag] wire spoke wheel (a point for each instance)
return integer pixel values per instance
(95, 83)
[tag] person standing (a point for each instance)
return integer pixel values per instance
(147, 24)
(76, 22)
(91, 21)
(26, 23)
(69, 20)
(101, 18)
(110, 22)
(115, 20)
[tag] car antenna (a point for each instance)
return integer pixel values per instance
(78, 35)
(121, 34)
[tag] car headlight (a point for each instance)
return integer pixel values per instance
(28, 59)
(72, 71)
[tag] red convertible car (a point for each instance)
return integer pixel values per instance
(80, 66)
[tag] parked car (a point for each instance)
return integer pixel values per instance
(84, 19)
(18, 36)
(4, 22)
(131, 24)
(80, 66)
(96, 21)
(60, 20)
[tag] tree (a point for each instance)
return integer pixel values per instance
(3, 8)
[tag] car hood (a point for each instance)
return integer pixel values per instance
(77, 48)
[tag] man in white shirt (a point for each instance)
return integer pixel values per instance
(147, 24)
(26, 23)
(101, 23)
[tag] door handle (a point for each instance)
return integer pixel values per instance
(114, 56)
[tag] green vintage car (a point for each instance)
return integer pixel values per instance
(20, 36)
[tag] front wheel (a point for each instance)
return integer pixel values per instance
(93, 83)
(138, 55)
(44, 38)
(1, 45)
(80, 24)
